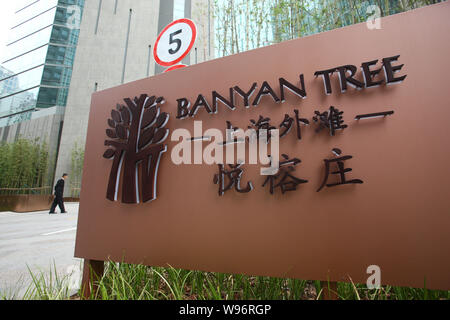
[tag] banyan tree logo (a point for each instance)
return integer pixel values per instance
(137, 132)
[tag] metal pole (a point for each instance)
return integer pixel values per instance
(126, 47)
(209, 29)
(149, 59)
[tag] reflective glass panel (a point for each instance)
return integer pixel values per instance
(43, 20)
(48, 97)
(29, 43)
(18, 102)
(60, 35)
(56, 76)
(24, 81)
(60, 55)
(62, 96)
(33, 10)
(72, 2)
(27, 61)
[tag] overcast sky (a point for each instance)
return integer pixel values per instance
(7, 9)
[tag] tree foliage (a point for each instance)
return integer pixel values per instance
(242, 25)
(24, 164)
(76, 169)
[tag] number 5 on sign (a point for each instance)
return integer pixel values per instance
(175, 42)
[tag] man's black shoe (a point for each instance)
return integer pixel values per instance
(64, 212)
(52, 213)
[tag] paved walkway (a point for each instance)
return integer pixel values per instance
(39, 241)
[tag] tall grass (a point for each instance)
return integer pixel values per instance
(122, 281)
(48, 286)
(137, 282)
(125, 281)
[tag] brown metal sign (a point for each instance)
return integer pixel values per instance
(363, 166)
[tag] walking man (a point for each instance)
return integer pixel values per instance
(59, 192)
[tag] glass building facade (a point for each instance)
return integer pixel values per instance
(41, 51)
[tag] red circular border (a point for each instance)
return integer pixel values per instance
(179, 66)
(194, 36)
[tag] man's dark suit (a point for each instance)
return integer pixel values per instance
(59, 191)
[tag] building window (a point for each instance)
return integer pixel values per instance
(178, 9)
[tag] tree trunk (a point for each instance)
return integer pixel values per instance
(113, 175)
(129, 179)
(150, 171)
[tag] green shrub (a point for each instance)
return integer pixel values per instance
(24, 165)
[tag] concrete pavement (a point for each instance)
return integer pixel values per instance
(40, 241)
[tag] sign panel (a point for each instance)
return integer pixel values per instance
(362, 119)
(175, 42)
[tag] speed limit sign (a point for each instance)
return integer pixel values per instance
(175, 42)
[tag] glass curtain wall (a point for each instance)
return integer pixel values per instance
(41, 52)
